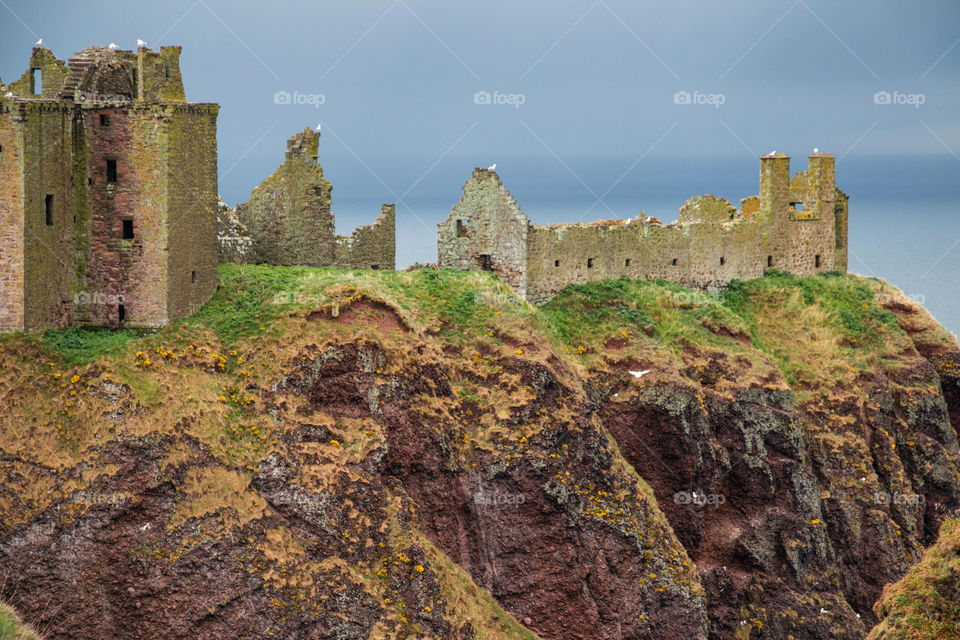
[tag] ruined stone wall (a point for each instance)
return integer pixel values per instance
(288, 215)
(797, 225)
(191, 165)
(11, 223)
(158, 75)
(486, 230)
(46, 139)
(233, 239)
(371, 246)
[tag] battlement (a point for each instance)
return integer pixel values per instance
(797, 224)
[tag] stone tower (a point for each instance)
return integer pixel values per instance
(108, 192)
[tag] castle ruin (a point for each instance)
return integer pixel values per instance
(288, 220)
(796, 224)
(108, 192)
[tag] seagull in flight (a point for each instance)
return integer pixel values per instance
(492, 167)
(639, 374)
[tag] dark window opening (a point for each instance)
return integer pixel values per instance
(769, 261)
(556, 263)
(589, 263)
(485, 262)
(375, 267)
(1, 148)
(74, 219)
(816, 261)
(89, 182)
(193, 276)
(674, 262)
(104, 120)
(723, 261)
(797, 206)
(461, 229)
(36, 82)
(48, 209)
(111, 170)
(626, 262)
(121, 313)
(127, 229)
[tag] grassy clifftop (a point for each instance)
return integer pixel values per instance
(422, 454)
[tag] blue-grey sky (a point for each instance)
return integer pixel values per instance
(588, 106)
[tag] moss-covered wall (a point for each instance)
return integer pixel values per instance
(371, 246)
(11, 222)
(797, 225)
(288, 215)
(52, 73)
(158, 75)
(46, 140)
(486, 230)
(191, 208)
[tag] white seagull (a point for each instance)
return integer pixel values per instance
(39, 43)
(319, 126)
(822, 610)
(492, 167)
(145, 527)
(815, 150)
(141, 43)
(112, 45)
(639, 374)
(8, 94)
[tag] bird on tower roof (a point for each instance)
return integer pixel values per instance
(492, 167)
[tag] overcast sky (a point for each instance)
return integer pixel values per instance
(585, 97)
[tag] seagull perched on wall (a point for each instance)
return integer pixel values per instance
(492, 167)
(815, 150)
(141, 43)
(38, 43)
(319, 126)
(112, 46)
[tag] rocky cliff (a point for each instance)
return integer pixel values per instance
(336, 454)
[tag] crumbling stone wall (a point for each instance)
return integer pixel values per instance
(487, 230)
(94, 164)
(371, 246)
(798, 225)
(289, 221)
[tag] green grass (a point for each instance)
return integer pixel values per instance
(79, 345)
(12, 628)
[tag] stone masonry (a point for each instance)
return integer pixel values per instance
(288, 220)
(108, 192)
(797, 225)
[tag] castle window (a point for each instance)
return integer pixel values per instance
(461, 229)
(723, 261)
(1, 148)
(127, 229)
(674, 262)
(485, 262)
(121, 313)
(797, 206)
(48, 209)
(626, 262)
(374, 266)
(36, 82)
(89, 182)
(193, 276)
(769, 261)
(589, 263)
(104, 120)
(556, 263)
(111, 170)
(816, 261)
